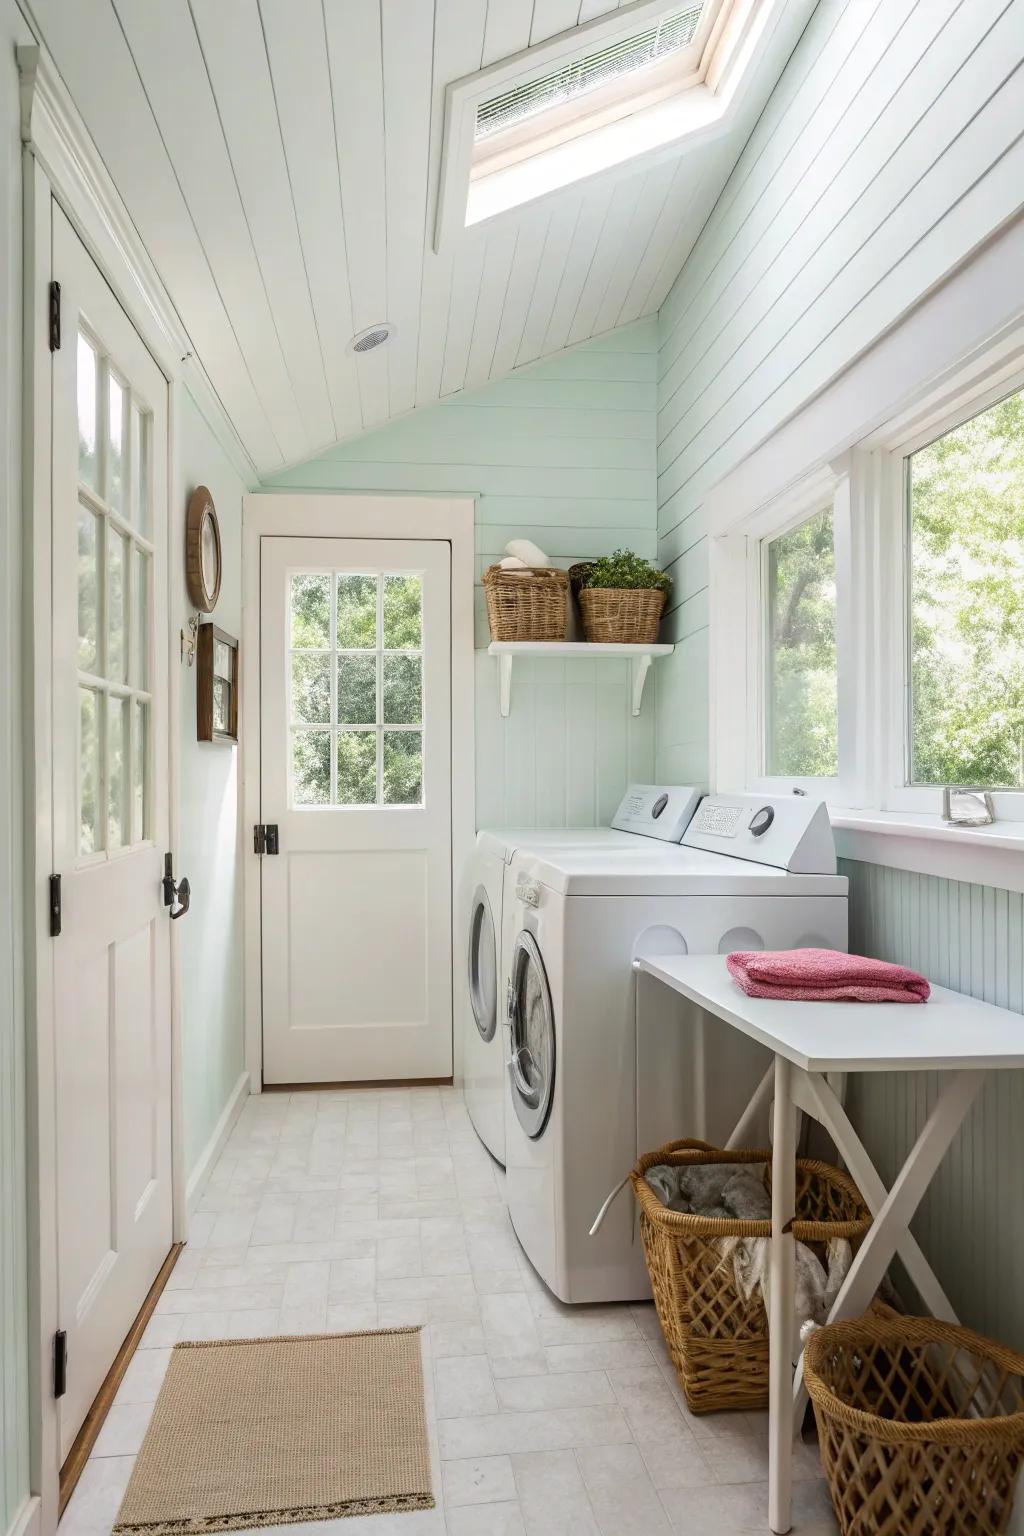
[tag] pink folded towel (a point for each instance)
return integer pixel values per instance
(824, 976)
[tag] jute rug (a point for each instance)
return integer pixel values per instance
(269, 1431)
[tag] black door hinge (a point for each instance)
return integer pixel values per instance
(56, 907)
(55, 317)
(265, 837)
(60, 1363)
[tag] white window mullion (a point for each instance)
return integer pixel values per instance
(335, 663)
(380, 688)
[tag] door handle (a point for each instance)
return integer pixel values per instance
(175, 890)
(183, 892)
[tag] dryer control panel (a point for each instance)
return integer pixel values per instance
(789, 832)
(657, 810)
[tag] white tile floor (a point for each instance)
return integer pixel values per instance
(339, 1211)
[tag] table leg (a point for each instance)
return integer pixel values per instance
(890, 1228)
(892, 1210)
(747, 1121)
(818, 1099)
(780, 1320)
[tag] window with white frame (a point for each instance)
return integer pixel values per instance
(801, 735)
(884, 634)
(964, 496)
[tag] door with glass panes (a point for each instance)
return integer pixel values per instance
(355, 775)
(110, 822)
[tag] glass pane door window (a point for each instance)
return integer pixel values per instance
(801, 676)
(965, 495)
(115, 573)
(356, 689)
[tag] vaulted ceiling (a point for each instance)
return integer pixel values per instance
(280, 159)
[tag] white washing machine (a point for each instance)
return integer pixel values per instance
(752, 873)
(659, 812)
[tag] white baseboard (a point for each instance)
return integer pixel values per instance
(28, 1519)
(215, 1146)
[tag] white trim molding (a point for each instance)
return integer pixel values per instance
(207, 1159)
(327, 515)
(28, 1520)
(53, 130)
(926, 845)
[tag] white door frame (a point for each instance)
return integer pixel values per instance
(356, 516)
(60, 162)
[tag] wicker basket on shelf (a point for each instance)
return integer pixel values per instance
(621, 615)
(527, 604)
(718, 1339)
(921, 1425)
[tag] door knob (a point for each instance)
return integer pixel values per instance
(175, 891)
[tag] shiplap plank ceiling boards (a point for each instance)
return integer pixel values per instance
(281, 160)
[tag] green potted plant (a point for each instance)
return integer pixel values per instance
(621, 597)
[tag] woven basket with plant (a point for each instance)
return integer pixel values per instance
(621, 598)
(717, 1336)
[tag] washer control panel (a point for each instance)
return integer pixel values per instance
(717, 820)
(789, 833)
(657, 810)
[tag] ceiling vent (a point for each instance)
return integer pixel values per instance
(373, 336)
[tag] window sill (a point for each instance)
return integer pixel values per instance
(925, 844)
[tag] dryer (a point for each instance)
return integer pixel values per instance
(752, 873)
(657, 812)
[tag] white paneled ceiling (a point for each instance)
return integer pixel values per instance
(280, 159)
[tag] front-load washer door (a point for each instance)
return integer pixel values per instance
(531, 1020)
(483, 966)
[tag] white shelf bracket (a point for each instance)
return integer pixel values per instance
(505, 682)
(640, 665)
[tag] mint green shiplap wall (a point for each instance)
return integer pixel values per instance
(971, 938)
(210, 851)
(888, 151)
(561, 453)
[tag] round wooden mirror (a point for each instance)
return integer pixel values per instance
(203, 558)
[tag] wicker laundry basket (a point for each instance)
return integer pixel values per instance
(921, 1425)
(718, 1340)
(529, 604)
(621, 615)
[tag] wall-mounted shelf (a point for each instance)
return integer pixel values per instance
(640, 657)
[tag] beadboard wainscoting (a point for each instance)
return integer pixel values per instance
(888, 153)
(971, 1223)
(562, 453)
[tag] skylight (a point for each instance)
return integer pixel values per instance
(630, 87)
(626, 55)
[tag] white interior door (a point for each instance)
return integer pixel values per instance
(355, 732)
(110, 822)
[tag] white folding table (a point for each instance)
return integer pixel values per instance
(813, 1045)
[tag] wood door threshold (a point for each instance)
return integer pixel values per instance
(93, 1422)
(375, 1082)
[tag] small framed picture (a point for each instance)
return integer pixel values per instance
(216, 685)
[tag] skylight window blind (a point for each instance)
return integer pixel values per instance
(672, 33)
